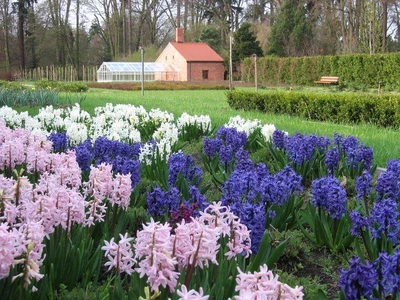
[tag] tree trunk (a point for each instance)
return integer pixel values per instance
(6, 40)
(77, 41)
(384, 24)
(21, 39)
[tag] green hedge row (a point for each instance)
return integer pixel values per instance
(61, 86)
(358, 69)
(349, 108)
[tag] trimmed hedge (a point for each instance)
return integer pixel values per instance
(363, 70)
(61, 86)
(349, 108)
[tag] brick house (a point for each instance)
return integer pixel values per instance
(194, 61)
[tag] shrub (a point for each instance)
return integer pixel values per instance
(69, 87)
(353, 108)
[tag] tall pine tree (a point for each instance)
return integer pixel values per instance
(245, 43)
(291, 33)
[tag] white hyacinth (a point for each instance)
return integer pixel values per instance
(247, 126)
(185, 119)
(267, 130)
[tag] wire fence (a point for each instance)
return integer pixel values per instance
(57, 73)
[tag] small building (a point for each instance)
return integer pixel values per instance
(179, 61)
(195, 61)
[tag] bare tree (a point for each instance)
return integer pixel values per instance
(5, 14)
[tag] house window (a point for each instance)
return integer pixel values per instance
(205, 74)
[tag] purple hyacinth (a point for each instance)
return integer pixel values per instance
(302, 147)
(59, 140)
(160, 202)
(104, 150)
(388, 185)
(328, 193)
(363, 185)
(198, 199)
(355, 152)
(388, 267)
(231, 136)
(384, 220)
(179, 163)
(124, 165)
(278, 188)
(393, 165)
(226, 153)
(241, 192)
(84, 155)
(211, 146)
(253, 216)
(360, 223)
(244, 162)
(359, 280)
(279, 139)
(332, 159)
(244, 185)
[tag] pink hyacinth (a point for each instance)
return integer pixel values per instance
(12, 153)
(264, 285)
(220, 217)
(184, 294)
(120, 256)
(30, 247)
(121, 190)
(7, 249)
(196, 244)
(20, 195)
(38, 153)
(98, 189)
(153, 250)
(56, 204)
(67, 169)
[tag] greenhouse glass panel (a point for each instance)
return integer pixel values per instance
(132, 71)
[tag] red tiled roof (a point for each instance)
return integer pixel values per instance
(197, 52)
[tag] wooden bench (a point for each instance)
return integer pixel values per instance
(328, 80)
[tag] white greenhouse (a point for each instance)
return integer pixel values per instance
(132, 71)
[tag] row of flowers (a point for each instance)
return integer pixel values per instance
(80, 191)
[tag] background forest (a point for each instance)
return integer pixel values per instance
(37, 33)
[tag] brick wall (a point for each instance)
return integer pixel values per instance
(215, 71)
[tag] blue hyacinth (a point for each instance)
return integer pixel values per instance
(332, 159)
(359, 280)
(301, 148)
(279, 139)
(363, 185)
(160, 202)
(328, 193)
(278, 188)
(84, 155)
(60, 141)
(384, 220)
(388, 185)
(388, 267)
(179, 163)
(242, 193)
(360, 223)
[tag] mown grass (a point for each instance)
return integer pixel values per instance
(213, 103)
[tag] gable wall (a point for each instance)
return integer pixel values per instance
(170, 55)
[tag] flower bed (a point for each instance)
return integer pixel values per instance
(112, 205)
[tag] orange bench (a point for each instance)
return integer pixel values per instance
(328, 80)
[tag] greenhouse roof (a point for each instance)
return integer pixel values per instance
(134, 66)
